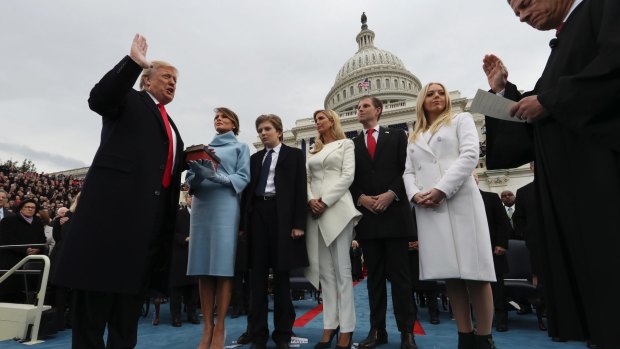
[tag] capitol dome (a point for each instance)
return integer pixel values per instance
(371, 71)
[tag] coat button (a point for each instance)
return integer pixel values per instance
(162, 167)
(438, 139)
(434, 161)
(156, 193)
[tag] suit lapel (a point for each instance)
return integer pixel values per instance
(420, 142)
(383, 139)
(155, 112)
(360, 146)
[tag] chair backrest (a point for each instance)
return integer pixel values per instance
(518, 257)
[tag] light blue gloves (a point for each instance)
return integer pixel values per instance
(205, 169)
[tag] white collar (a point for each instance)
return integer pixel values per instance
(572, 8)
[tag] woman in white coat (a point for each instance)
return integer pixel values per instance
(454, 240)
(330, 168)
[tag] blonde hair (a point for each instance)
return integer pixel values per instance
(147, 72)
(422, 124)
(336, 129)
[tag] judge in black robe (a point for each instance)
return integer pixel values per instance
(572, 131)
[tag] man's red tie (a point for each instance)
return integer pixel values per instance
(558, 29)
(165, 182)
(371, 143)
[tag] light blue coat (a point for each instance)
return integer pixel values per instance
(214, 223)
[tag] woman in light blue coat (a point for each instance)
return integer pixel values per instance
(214, 224)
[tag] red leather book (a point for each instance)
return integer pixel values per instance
(201, 152)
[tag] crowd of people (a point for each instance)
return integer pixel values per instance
(49, 192)
(401, 196)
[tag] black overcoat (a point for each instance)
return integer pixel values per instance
(106, 248)
(180, 251)
(499, 228)
(577, 151)
(292, 211)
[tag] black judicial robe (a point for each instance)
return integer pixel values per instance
(577, 153)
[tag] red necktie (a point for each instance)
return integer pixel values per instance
(558, 29)
(371, 143)
(165, 182)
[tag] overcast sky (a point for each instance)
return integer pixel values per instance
(255, 57)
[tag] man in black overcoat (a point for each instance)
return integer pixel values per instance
(571, 132)
(500, 231)
(387, 225)
(183, 288)
(116, 248)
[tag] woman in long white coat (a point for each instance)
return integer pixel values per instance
(330, 169)
(453, 234)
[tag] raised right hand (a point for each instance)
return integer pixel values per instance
(138, 51)
(496, 72)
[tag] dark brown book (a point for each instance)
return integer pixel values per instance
(201, 152)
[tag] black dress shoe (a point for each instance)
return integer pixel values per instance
(258, 346)
(591, 344)
(235, 313)
(282, 345)
(558, 339)
(244, 339)
(176, 323)
(501, 327)
(407, 341)
(375, 337)
(193, 320)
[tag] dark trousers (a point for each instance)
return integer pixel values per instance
(427, 290)
(241, 292)
(264, 255)
(499, 298)
(92, 310)
(187, 294)
(389, 259)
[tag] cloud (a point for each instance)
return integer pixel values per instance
(53, 162)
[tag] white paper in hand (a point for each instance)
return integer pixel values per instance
(493, 105)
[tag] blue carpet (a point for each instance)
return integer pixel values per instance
(523, 331)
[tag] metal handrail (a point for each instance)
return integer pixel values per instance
(40, 294)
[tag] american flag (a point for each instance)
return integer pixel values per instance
(364, 84)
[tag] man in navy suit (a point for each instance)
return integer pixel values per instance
(387, 225)
(116, 249)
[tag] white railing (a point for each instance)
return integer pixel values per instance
(40, 295)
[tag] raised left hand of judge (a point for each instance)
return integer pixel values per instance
(383, 201)
(528, 109)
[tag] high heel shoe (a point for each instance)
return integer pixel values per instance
(325, 345)
(348, 346)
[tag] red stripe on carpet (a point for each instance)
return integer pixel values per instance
(417, 328)
(308, 316)
(312, 313)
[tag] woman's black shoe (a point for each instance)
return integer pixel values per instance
(325, 345)
(347, 346)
